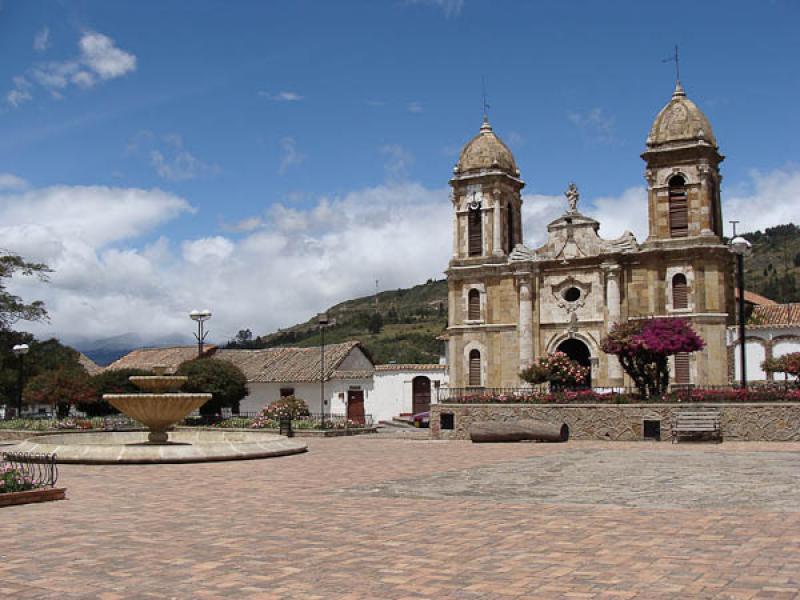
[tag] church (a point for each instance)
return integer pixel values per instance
(510, 304)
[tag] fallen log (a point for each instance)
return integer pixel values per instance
(519, 431)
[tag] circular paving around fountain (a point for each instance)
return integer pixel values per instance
(131, 447)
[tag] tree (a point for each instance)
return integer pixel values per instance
(375, 323)
(109, 382)
(644, 347)
(224, 380)
(13, 308)
(788, 364)
(47, 355)
(61, 388)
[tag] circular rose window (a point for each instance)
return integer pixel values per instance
(571, 294)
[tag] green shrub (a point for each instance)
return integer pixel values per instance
(225, 381)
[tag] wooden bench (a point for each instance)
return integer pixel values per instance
(698, 422)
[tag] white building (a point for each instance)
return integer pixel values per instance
(772, 331)
(406, 390)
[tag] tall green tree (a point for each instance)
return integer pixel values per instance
(61, 388)
(224, 380)
(13, 308)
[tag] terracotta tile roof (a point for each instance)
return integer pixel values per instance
(753, 298)
(776, 315)
(92, 368)
(358, 374)
(147, 358)
(411, 367)
(289, 365)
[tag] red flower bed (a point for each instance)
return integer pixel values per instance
(732, 395)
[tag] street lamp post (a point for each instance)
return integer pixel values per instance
(200, 316)
(20, 350)
(323, 321)
(741, 247)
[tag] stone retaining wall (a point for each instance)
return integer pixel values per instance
(625, 422)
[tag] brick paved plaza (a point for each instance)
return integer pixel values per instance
(371, 517)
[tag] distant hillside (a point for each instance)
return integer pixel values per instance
(405, 332)
(772, 269)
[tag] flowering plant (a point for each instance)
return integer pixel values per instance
(644, 347)
(288, 406)
(788, 364)
(558, 369)
(12, 480)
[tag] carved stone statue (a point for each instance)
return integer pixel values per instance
(573, 196)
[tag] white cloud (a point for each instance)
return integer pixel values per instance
(450, 8)
(99, 54)
(282, 267)
(595, 122)
(290, 155)
(21, 92)
(99, 60)
(168, 156)
(398, 161)
(41, 41)
(415, 107)
(9, 181)
(282, 96)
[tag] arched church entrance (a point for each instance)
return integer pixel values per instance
(579, 352)
(421, 394)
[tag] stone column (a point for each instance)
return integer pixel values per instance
(497, 229)
(525, 323)
(614, 315)
(456, 247)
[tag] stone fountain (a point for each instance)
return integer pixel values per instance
(160, 405)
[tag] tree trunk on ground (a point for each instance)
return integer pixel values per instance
(524, 430)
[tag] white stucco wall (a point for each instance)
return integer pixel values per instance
(393, 393)
(263, 394)
(755, 355)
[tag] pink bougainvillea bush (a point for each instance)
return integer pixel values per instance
(789, 364)
(644, 347)
(558, 370)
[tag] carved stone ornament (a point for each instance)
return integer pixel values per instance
(522, 253)
(570, 294)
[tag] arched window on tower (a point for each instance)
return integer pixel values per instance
(474, 368)
(475, 233)
(474, 305)
(678, 208)
(680, 291)
(510, 231)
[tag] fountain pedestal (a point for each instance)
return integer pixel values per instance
(159, 407)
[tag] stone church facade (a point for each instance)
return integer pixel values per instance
(509, 304)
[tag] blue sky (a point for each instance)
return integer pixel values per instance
(218, 138)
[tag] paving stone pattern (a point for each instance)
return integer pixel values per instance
(621, 477)
(307, 526)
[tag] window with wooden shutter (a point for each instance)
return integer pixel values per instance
(680, 291)
(682, 375)
(474, 368)
(678, 208)
(475, 233)
(474, 305)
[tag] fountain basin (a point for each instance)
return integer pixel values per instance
(185, 446)
(158, 412)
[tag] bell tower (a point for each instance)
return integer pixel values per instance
(683, 178)
(486, 199)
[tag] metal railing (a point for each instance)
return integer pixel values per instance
(40, 469)
(310, 421)
(541, 393)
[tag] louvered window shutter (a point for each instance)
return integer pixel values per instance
(475, 233)
(475, 368)
(680, 291)
(474, 305)
(682, 375)
(678, 208)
